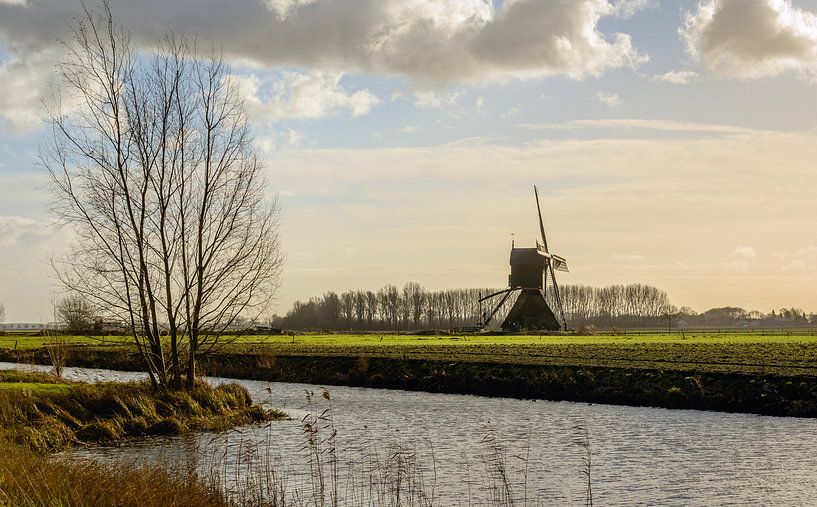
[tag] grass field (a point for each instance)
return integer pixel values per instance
(792, 353)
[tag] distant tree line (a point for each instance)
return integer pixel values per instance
(731, 316)
(413, 307)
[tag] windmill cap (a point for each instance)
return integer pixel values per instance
(526, 257)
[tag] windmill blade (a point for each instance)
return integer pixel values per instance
(541, 224)
(558, 263)
(558, 299)
(540, 249)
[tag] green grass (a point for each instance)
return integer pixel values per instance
(35, 387)
(793, 354)
(33, 342)
(775, 352)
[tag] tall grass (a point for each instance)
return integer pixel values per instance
(376, 471)
(33, 480)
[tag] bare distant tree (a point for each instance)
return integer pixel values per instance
(415, 296)
(2, 312)
(75, 313)
(360, 307)
(347, 307)
(153, 167)
(371, 308)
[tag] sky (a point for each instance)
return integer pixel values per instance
(674, 143)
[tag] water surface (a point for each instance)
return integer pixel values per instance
(453, 445)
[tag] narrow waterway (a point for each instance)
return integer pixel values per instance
(470, 450)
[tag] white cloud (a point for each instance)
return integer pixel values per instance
(479, 104)
(17, 230)
(679, 77)
(409, 129)
(609, 99)
(628, 8)
(23, 82)
(739, 259)
(277, 140)
(301, 96)
(512, 112)
(285, 7)
(752, 38)
(804, 259)
(647, 125)
(427, 99)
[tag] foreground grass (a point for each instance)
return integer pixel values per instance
(28, 479)
(40, 413)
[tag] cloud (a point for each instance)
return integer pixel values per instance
(301, 96)
(749, 39)
(430, 43)
(739, 259)
(428, 99)
(277, 140)
(672, 198)
(609, 99)
(23, 231)
(479, 104)
(678, 77)
(804, 259)
(647, 125)
(424, 40)
(23, 82)
(628, 8)
(512, 112)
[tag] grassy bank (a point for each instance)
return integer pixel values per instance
(43, 413)
(771, 352)
(774, 373)
(40, 413)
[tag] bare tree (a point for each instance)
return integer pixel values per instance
(347, 307)
(75, 314)
(415, 298)
(2, 312)
(154, 168)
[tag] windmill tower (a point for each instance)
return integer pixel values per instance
(529, 272)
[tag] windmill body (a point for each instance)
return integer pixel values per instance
(530, 311)
(530, 268)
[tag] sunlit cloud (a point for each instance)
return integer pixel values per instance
(752, 38)
(677, 77)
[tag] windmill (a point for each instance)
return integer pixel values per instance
(529, 272)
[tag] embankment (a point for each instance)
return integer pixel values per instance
(767, 394)
(42, 413)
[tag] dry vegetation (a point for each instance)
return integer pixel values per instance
(28, 479)
(40, 413)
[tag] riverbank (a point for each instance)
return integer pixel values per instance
(765, 393)
(40, 414)
(46, 414)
